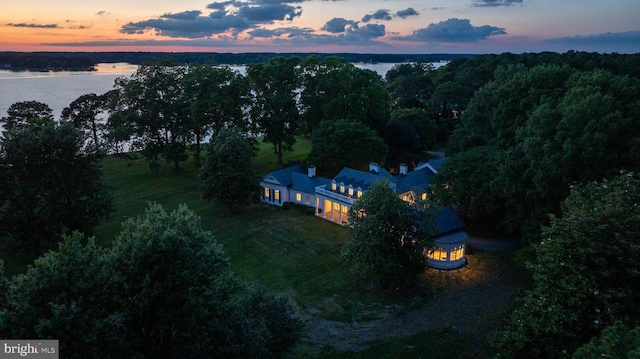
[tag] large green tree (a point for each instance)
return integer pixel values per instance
(68, 295)
(227, 174)
(164, 290)
(19, 114)
(152, 109)
(411, 84)
(87, 113)
(276, 84)
(388, 237)
(49, 185)
(218, 97)
(585, 274)
(409, 133)
(615, 341)
(333, 89)
(345, 143)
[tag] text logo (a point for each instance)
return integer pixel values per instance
(29, 348)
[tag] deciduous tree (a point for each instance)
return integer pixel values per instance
(388, 237)
(336, 89)
(276, 84)
(20, 113)
(616, 341)
(218, 97)
(585, 274)
(88, 114)
(345, 143)
(164, 290)
(152, 110)
(50, 184)
(227, 174)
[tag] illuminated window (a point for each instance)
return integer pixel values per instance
(345, 214)
(350, 190)
(438, 254)
(266, 192)
(341, 187)
(424, 196)
(359, 192)
(299, 197)
(334, 185)
(456, 253)
(276, 195)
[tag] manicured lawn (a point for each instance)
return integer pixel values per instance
(290, 252)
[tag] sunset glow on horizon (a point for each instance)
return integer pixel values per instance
(359, 26)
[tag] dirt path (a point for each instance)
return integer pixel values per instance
(471, 304)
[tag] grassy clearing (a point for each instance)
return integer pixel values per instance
(291, 253)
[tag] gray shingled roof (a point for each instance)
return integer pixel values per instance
(284, 175)
(448, 221)
(303, 183)
(361, 179)
(415, 180)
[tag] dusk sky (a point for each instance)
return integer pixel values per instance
(358, 26)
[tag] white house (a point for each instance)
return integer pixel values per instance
(332, 199)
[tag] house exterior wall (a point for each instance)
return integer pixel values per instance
(303, 198)
(274, 194)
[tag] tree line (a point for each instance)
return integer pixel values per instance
(84, 61)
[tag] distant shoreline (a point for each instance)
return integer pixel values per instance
(86, 61)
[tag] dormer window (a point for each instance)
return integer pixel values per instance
(341, 187)
(334, 185)
(350, 190)
(359, 192)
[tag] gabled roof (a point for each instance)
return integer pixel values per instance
(361, 179)
(417, 179)
(448, 221)
(433, 164)
(303, 183)
(283, 177)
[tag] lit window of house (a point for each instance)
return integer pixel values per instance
(334, 185)
(266, 192)
(424, 196)
(341, 187)
(359, 192)
(456, 253)
(276, 195)
(439, 254)
(299, 197)
(350, 190)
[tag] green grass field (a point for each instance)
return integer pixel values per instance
(284, 250)
(287, 251)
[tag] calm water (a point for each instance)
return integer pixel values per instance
(59, 89)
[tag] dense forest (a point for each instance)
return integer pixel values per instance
(543, 149)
